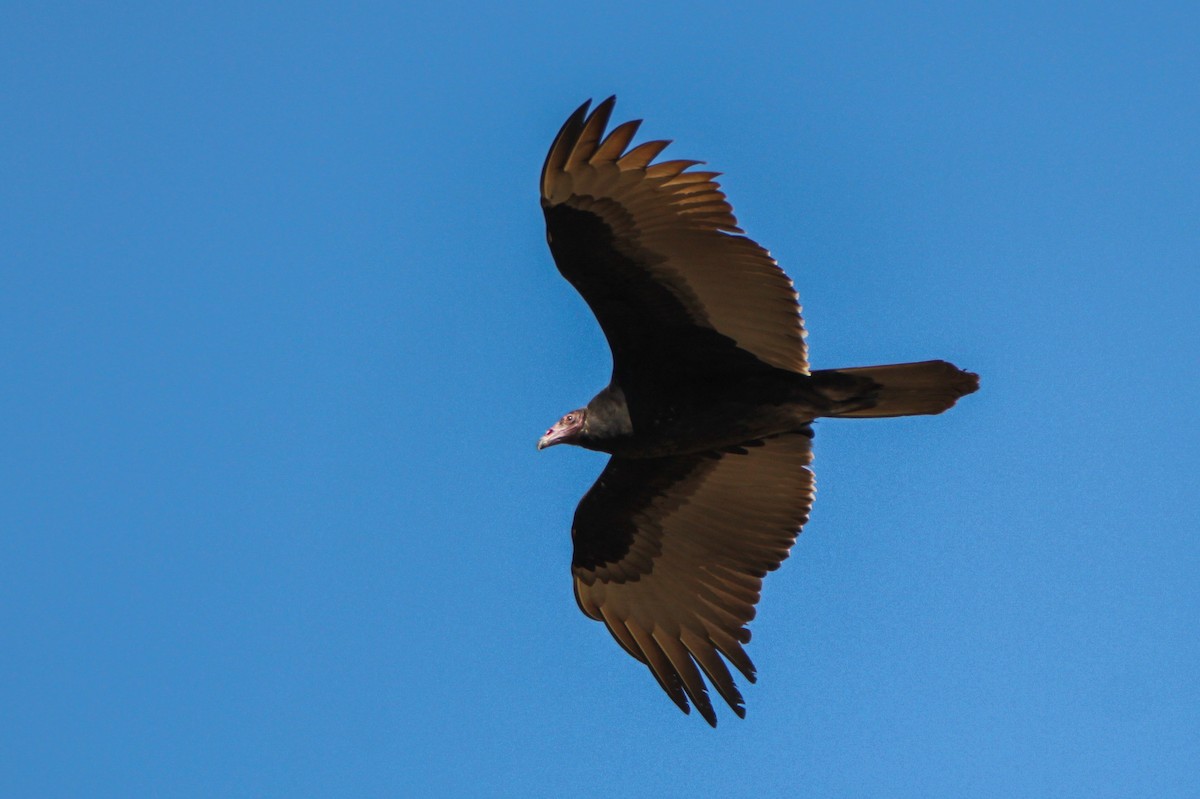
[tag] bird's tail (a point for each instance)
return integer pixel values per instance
(901, 389)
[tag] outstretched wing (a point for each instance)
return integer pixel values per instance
(670, 554)
(656, 252)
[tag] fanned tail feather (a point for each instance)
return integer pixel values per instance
(901, 389)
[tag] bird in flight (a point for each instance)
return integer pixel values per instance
(708, 415)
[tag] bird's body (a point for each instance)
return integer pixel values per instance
(700, 416)
(708, 413)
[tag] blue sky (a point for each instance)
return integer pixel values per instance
(279, 331)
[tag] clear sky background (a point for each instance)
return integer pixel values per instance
(279, 331)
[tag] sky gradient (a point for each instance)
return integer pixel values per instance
(279, 332)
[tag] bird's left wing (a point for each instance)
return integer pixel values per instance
(655, 251)
(670, 554)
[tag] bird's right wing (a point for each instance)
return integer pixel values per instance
(670, 554)
(656, 252)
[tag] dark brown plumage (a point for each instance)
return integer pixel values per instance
(708, 412)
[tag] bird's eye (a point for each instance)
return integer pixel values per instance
(570, 417)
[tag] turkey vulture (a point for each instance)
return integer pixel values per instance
(708, 414)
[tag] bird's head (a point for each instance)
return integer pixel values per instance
(566, 430)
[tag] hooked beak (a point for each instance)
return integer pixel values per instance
(551, 438)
